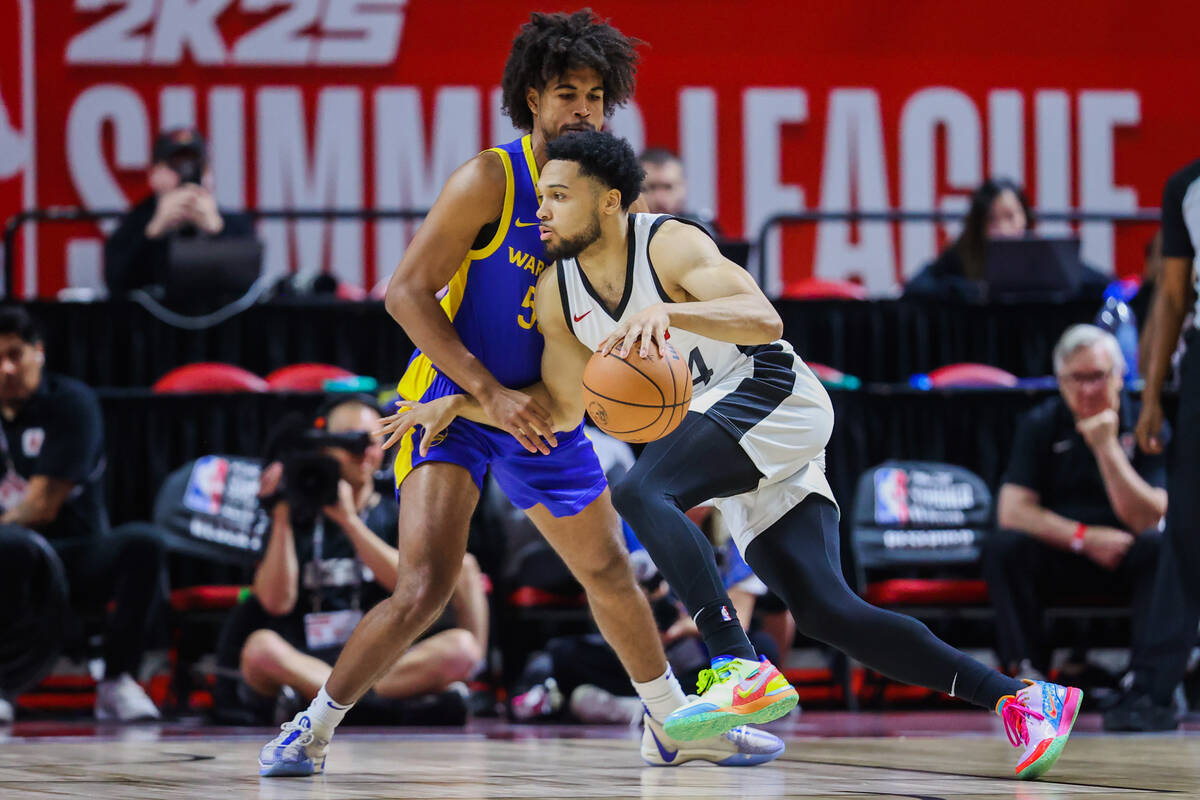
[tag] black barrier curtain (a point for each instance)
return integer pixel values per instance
(150, 435)
(119, 343)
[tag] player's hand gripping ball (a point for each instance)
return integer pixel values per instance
(637, 399)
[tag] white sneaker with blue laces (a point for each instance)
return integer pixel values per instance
(295, 752)
(739, 747)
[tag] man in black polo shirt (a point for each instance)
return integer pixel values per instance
(52, 463)
(1175, 608)
(1080, 504)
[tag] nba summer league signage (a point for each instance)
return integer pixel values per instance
(774, 105)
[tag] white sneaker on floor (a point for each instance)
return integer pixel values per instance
(739, 747)
(295, 753)
(596, 706)
(123, 700)
(6, 712)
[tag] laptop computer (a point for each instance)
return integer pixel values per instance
(211, 268)
(1033, 268)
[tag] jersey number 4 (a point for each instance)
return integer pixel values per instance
(696, 364)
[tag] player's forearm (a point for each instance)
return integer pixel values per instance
(32, 512)
(740, 319)
(469, 408)
(1136, 503)
(418, 312)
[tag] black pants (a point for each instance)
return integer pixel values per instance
(798, 558)
(126, 567)
(33, 594)
(1023, 574)
(1175, 605)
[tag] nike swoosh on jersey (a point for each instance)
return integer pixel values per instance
(521, 224)
(581, 316)
(667, 755)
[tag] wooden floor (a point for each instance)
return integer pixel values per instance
(920, 755)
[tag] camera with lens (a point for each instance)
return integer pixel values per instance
(310, 476)
(189, 167)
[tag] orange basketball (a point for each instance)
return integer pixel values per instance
(637, 399)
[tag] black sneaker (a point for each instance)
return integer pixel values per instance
(1138, 712)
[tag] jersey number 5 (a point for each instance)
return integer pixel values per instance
(697, 365)
(528, 324)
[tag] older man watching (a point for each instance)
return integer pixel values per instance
(1079, 509)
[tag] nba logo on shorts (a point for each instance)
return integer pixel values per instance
(206, 485)
(891, 496)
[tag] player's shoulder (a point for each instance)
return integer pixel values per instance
(481, 178)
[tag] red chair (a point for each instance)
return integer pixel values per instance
(970, 375)
(825, 374)
(818, 289)
(209, 377)
(305, 377)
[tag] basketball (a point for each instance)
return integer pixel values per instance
(637, 399)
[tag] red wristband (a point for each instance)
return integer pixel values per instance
(1077, 538)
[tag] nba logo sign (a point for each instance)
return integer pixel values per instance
(891, 496)
(206, 485)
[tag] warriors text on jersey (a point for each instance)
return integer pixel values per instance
(762, 395)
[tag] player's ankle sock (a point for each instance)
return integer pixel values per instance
(723, 634)
(662, 695)
(325, 713)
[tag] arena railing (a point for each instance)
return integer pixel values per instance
(760, 243)
(62, 214)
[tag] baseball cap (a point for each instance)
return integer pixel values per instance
(178, 141)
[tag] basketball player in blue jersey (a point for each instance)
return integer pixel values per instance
(753, 441)
(464, 293)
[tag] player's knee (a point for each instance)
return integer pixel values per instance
(633, 494)
(610, 574)
(420, 594)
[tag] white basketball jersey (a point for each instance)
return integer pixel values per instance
(763, 395)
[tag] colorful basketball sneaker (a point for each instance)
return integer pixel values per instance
(736, 691)
(295, 752)
(1039, 718)
(740, 747)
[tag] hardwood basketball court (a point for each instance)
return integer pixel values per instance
(922, 755)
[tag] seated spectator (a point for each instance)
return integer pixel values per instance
(665, 187)
(1079, 509)
(314, 582)
(998, 210)
(181, 205)
(53, 470)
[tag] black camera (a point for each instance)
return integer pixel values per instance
(189, 168)
(310, 477)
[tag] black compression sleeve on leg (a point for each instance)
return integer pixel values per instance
(798, 558)
(698, 462)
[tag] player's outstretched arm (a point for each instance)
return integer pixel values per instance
(472, 198)
(714, 297)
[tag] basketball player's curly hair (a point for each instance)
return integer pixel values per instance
(550, 45)
(602, 156)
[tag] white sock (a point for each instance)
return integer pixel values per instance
(662, 695)
(325, 713)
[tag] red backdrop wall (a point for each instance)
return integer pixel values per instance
(775, 106)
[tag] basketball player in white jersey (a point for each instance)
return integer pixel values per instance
(753, 439)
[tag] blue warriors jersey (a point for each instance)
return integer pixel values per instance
(490, 298)
(490, 303)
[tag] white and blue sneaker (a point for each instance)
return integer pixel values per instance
(739, 747)
(295, 752)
